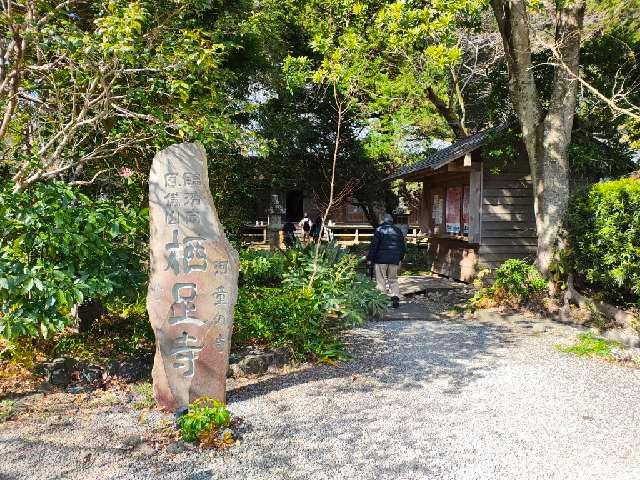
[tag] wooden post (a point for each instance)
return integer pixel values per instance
(357, 237)
(425, 214)
(475, 204)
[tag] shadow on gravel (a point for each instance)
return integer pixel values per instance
(399, 356)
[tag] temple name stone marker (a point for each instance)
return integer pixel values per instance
(193, 285)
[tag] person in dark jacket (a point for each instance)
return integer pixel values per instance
(316, 230)
(386, 252)
(289, 230)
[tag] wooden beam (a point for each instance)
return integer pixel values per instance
(452, 167)
(475, 206)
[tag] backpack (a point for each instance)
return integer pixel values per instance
(305, 226)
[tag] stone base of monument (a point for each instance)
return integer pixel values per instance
(255, 361)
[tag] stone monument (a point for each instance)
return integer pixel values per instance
(193, 284)
(275, 223)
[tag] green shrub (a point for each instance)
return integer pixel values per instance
(204, 416)
(304, 318)
(515, 282)
(260, 268)
(60, 248)
(604, 228)
(339, 287)
(517, 279)
(289, 317)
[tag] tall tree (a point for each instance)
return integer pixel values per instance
(89, 86)
(546, 129)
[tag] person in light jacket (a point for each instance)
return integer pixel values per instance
(386, 252)
(306, 225)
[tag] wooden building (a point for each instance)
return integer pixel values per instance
(475, 211)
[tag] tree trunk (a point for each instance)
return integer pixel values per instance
(553, 198)
(546, 134)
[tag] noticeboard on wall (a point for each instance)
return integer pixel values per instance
(436, 209)
(454, 200)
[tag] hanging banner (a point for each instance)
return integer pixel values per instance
(454, 197)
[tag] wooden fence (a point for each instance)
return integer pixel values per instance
(343, 234)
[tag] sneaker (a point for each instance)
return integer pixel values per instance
(395, 302)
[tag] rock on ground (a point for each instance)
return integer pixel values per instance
(444, 399)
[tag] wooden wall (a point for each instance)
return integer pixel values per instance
(452, 257)
(508, 228)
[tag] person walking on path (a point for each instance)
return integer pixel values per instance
(316, 230)
(289, 230)
(306, 225)
(386, 252)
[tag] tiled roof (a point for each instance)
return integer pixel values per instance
(450, 153)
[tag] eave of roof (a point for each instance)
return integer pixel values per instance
(449, 154)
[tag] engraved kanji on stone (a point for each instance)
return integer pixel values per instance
(191, 199)
(185, 351)
(171, 180)
(220, 267)
(183, 309)
(192, 179)
(172, 217)
(220, 296)
(172, 199)
(219, 320)
(173, 248)
(220, 341)
(194, 258)
(192, 216)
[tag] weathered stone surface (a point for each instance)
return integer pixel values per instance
(59, 370)
(194, 280)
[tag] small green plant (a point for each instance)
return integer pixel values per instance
(516, 282)
(205, 416)
(144, 392)
(589, 345)
(7, 407)
(517, 279)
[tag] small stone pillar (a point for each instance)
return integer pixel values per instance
(401, 215)
(275, 223)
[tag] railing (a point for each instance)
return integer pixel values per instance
(255, 234)
(354, 234)
(343, 234)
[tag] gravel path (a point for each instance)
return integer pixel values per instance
(443, 399)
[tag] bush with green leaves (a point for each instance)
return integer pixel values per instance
(337, 284)
(284, 317)
(204, 416)
(515, 282)
(60, 248)
(519, 280)
(261, 268)
(278, 305)
(604, 229)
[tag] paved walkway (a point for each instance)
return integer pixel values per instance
(445, 399)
